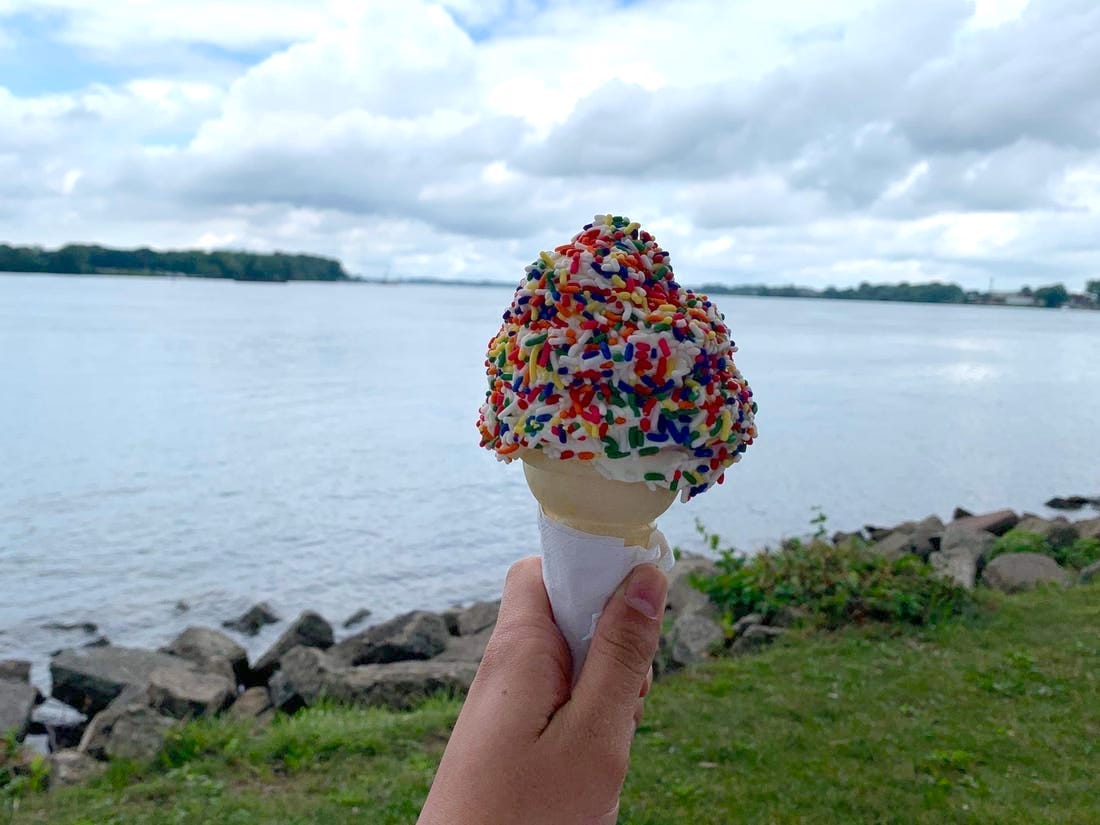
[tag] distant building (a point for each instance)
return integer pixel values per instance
(1085, 301)
(1013, 299)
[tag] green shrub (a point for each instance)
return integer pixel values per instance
(836, 585)
(1081, 553)
(1020, 541)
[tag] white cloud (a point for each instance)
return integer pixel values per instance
(793, 141)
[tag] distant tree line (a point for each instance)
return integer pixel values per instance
(77, 259)
(1055, 295)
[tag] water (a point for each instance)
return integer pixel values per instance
(314, 444)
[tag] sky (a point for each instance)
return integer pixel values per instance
(792, 141)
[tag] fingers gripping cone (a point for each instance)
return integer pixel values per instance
(593, 531)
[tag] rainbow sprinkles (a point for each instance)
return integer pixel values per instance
(603, 357)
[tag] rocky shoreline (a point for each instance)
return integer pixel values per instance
(109, 701)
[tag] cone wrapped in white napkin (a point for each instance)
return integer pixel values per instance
(592, 533)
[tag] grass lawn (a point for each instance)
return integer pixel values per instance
(994, 719)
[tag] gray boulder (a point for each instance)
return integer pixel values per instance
(840, 537)
(16, 703)
(356, 618)
(98, 733)
(756, 637)
(308, 675)
(89, 679)
(960, 513)
(998, 523)
(466, 648)
(475, 618)
(913, 538)
(186, 694)
(308, 630)
(1014, 572)
(403, 685)
(745, 622)
(138, 733)
(683, 597)
(209, 650)
(412, 636)
(252, 704)
(62, 725)
(1089, 528)
(963, 549)
(71, 767)
(1091, 573)
(692, 638)
(15, 670)
(253, 619)
(1072, 502)
(1058, 532)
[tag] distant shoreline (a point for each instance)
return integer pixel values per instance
(866, 293)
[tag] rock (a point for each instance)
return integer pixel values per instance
(98, 732)
(877, 534)
(998, 523)
(301, 678)
(253, 619)
(68, 627)
(792, 615)
(416, 635)
(138, 734)
(477, 617)
(963, 549)
(89, 679)
(1073, 502)
(1059, 532)
(683, 597)
(358, 617)
(450, 618)
(1088, 529)
(182, 606)
(840, 537)
(62, 725)
(466, 648)
(209, 650)
(745, 622)
(71, 767)
(912, 538)
(692, 638)
(756, 636)
(1014, 572)
(402, 685)
(15, 670)
(1091, 573)
(251, 704)
(960, 513)
(308, 675)
(187, 694)
(16, 703)
(308, 630)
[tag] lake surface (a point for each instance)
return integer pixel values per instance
(314, 444)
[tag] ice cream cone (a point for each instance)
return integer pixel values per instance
(575, 494)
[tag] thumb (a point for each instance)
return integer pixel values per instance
(622, 650)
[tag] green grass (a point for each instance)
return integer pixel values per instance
(995, 719)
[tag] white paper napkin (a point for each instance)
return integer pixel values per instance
(581, 571)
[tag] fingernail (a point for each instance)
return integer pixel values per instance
(645, 591)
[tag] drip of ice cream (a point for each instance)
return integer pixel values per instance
(605, 359)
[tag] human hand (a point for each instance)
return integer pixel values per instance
(527, 748)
